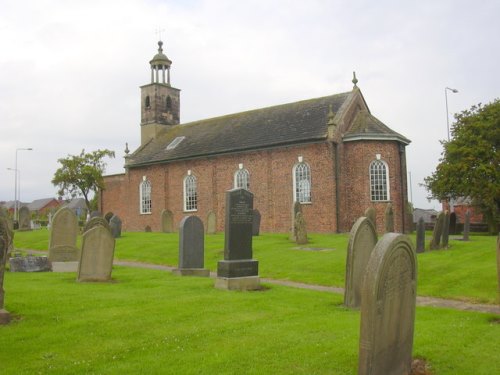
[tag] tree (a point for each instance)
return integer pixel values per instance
(470, 162)
(81, 174)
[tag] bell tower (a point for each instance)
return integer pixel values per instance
(160, 102)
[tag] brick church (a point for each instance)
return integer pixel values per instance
(330, 154)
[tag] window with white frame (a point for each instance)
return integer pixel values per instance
(190, 193)
(242, 179)
(379, 181)
(145, 196)
(302, 182)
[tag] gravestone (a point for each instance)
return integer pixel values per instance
(409, 217)
(96, 260)
(147, 229)
(167, 221)
(238, 270)
(7, 233)
(437, 233)
(466, 226)
(300, 229)
(191, 248)
(115, 226)
(389, 219)
(371, 214)
(94, 222)
(63, 253)
(446, 230)
(24, 219)
(453, 223)
(211, 223)
(297, 207)
(30, 264)
(256, 223)
(498, 265)
(108, 216)
(362, 241)
(5, 241)
(5, 215)
(420, 235)
(95, 214)
(388, 308)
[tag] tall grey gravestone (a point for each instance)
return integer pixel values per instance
(256, 223)
(420, 235)
(388, 308)
(96, 260)
(300, 229)
(211, 223)
(24, 219)
(446, 230)
(191, 248)
(389, 219)
(115, 226)
(63, 252)
(167, 221)
(96, 221)
(297, 207)
(362, 241)
(238, 270)
(5, 240)
(437, 233)
(371, 214)
(466, 226)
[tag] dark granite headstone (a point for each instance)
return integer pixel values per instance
(362, 241)
(256, 223)
(211, 223)
(420, 235)
(388, 308)
(192, 247)
(167, 221)
(30, 264)
(453, 223)
(115, 225)
(389, 219)
(24, 219)
(238, 262)
(437, 233)
(466, 226)
(446, 230)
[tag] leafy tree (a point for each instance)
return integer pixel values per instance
(470, 162)
(81, 174)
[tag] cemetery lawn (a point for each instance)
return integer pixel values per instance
(466, 271)
(152, 322)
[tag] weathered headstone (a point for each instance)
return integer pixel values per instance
(147, 229)
(5, 239)
(63, 253)
(30, 264)
(7, 233)
(95, 214)
(389, 219)
(167, 221)
(94, 222)
(191, 248)
(115, 226)
(5, 215)
(108, 216)
(238, 270)
(466, 226)
(24, 219)
(371, 214)
(300, 229)
(437, 233)
(362, 241)
(297, 207)
(409, 218)
(388, 308)
(453, 223)
(420, 235)
(96, 260)
(446, 230)
(211, 223)
(256, 223)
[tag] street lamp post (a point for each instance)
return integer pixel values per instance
(447, 114)
(16, 203)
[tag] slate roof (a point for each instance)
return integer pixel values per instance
(39, 204)
(293, 123)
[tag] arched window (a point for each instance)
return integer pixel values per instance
(147, 102)
(242, 179)
(302, 183)
(379, 181)
(145, 197)
(169, 103)
(190, 193)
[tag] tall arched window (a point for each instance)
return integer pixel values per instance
(145, 197)
(190, 193)
(302, 183)
(242, 179)
(379, 181)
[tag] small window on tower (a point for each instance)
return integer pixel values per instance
(169, 104)
(147, 102)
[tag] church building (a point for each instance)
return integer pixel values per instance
(330, 154)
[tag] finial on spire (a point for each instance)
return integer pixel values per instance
(354, 79)
(126, 148)
(330, 116)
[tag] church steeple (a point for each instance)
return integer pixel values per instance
(160, 102)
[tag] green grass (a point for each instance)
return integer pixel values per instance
(152, 322)
(467, 271)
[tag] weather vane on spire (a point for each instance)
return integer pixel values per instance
(158, 32)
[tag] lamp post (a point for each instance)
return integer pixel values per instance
(16, 203)
(447, 114)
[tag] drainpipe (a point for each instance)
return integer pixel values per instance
(402, 176)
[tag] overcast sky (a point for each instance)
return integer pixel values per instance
(70, 71)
